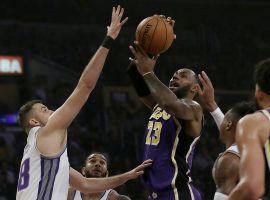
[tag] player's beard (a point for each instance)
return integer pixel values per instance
(182, 92)
(89, 175)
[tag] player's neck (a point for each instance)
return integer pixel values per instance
(189, 96)
(229, 142)
(265, 103)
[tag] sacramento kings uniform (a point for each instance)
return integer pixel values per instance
(42, 177)
(234, 150)
(171, 150)
(79, 196)
(267, 160)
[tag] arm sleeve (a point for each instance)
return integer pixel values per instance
(218, 116)
(138, 82)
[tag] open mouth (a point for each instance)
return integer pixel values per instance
(173, 85)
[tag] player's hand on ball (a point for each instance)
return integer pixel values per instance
(207, 94)
(143, 62)
(116, 23)
(169, 20)
(140, 169)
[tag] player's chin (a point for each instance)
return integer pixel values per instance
(173, 89)
(96, 174)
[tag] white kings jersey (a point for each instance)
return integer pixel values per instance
(79, 196)
(233, 149)
(42, 178)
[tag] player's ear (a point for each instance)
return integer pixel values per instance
(83, 171)
(228, 125)
(195, 88)
(259, 94)
(107, 173)
(34, 122)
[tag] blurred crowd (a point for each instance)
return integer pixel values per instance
(227, 52)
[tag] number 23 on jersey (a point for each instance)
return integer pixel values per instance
(153, 134)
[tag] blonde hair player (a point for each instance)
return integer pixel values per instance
(45, 172)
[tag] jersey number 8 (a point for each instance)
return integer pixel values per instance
(23, 181)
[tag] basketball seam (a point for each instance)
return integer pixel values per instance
(166, 34)
(153, 34)
(142, 28)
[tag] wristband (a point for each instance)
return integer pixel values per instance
(138, 82)
(218, 116)
(107, 42)
(147, 73)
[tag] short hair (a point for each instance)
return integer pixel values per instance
(96, 152)
(24, 113)
(241, 109)
(262, 75)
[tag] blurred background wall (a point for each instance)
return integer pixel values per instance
(52, 41)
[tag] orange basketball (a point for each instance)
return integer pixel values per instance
(155, 35)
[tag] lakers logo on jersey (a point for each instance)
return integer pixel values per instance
(154, 126)
(159, 113)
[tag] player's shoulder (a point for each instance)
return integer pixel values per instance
(251, 121)
(229, 160)
(34, 130)
(252, 128)
(253, 117)
(192, 103)
(31, 137)
(233, 149)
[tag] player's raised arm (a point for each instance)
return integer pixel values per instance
(54, 131)
(252, 165)
(207, 97)
(140, 85)
(182, 109)
(93, 185)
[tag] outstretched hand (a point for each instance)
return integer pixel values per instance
(207, 94)
(143, 62)
(140, 169)
(116, 23)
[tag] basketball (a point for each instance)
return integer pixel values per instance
(154, 34)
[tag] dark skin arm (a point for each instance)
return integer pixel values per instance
(181, 108)
(149, 101)
(226, 172)
(185, 109)
(207, 94)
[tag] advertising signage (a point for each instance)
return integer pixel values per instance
(11, 65)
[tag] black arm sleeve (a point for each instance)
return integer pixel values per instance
(138, 82)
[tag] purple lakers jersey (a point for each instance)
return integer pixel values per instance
(171, 151)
